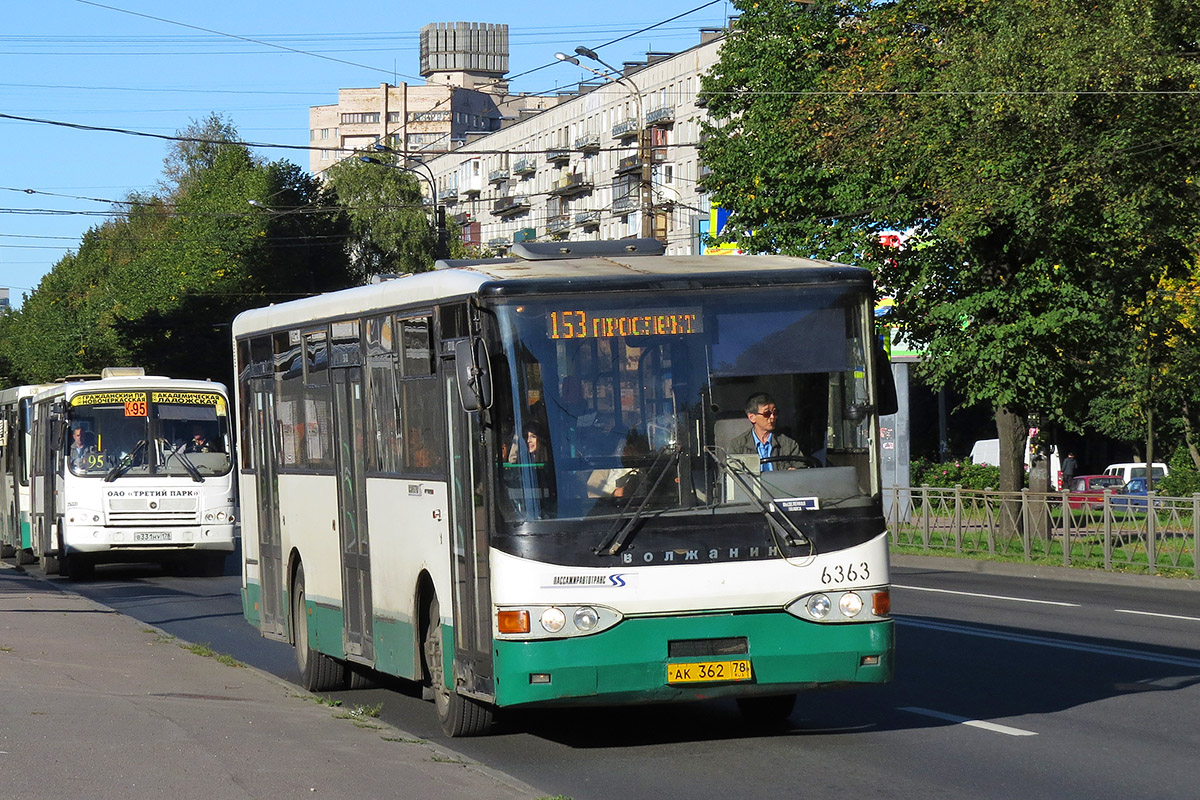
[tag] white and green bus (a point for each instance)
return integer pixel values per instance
(16, 422)
(514, 481)
(129, 467)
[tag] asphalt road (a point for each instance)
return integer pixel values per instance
(1006, 687)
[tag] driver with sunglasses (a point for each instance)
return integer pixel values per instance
(762, 438)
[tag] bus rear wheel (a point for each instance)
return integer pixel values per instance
(318, 672)
(458, 715)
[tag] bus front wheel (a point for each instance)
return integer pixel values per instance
(458, 715)
(77, 567)
(767, 711)
(318, 672)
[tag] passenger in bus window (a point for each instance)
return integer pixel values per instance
(81, 448)
(536, 449)
(762, 438)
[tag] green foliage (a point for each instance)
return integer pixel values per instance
(1184, 478)
(1034, 153)
(947, 475)
(391, 226)
(159, 283)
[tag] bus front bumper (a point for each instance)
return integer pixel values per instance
(630, 663)
(93, 539)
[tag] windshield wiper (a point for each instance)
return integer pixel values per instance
(187, 464)
(619, 534)
(125, 464)
(752, 484)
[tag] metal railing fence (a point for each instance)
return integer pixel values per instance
(1151, 534)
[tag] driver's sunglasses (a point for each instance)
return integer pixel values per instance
(771, 413)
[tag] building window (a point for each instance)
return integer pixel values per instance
(429, 116)
(428, 141)
(368, 118)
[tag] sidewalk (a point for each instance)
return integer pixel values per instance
(95, 704)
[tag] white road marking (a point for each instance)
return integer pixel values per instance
(1045, 641)
(988, 596)
(974, 723)
(1152, 614)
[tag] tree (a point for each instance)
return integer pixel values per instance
(159, 283)
(195, 150)
(1037, 155)
(390, 224)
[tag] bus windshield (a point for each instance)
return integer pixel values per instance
(624, 400)
(183, 433)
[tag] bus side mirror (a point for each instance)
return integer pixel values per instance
(58, 435)
(885, 382)
(474, 374)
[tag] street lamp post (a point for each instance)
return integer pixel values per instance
(438, 222)
(645, 181)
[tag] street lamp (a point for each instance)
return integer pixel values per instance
(645, 193)
(438, 222)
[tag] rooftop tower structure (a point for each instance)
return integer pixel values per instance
(472, 55)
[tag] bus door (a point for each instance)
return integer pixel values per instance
(272, 619)
(348, 413)
(471, 572)
(47, 484)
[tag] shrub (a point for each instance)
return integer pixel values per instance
(1184, 479)
(961, 472)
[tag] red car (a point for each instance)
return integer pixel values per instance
(1088, 490)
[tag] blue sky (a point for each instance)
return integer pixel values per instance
(150, 66)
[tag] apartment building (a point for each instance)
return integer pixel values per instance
(573, 171)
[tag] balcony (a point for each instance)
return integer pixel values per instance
(588, 143)
(448, 195)
(624, 205)
(660, 116)
(508, 206)
(571, 185)
(628, 164)
(587, 219)
(625, 129)
(558, 156)
(526, 166)
(498, 176)
(558, 225)
(498, 242)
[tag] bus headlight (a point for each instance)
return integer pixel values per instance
(847, 606)
(553, 621)
(586, 618)
(850, 604)
(818, 606)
